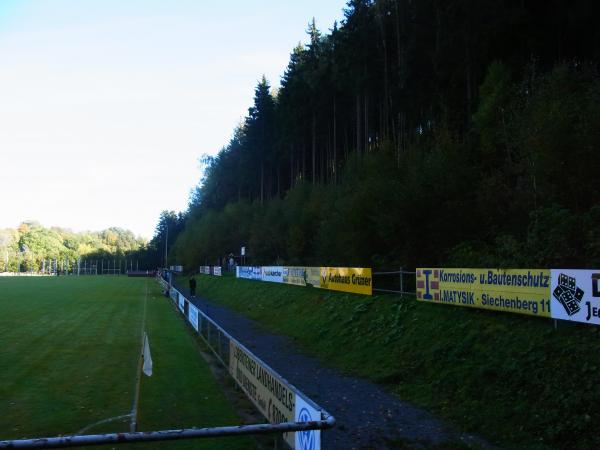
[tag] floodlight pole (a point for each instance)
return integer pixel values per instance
(166, 241)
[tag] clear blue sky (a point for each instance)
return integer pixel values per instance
(106, 105)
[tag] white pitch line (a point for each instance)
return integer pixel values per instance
(100, 422)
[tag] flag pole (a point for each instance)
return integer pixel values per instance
(138, 378)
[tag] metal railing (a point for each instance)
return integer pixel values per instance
(218, 341)
(395, 281)
(166, 435)
(215, 337)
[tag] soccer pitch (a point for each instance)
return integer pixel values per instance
(69, 353)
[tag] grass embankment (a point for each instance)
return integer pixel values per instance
(69, 351)
(512, 379)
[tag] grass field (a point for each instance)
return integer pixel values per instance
(69, 351)
(513, 379)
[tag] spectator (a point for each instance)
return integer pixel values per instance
(192, 286)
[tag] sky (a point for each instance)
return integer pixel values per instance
(106, 106)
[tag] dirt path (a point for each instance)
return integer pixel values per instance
(367, 416)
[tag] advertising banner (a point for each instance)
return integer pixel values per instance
(295, 275)
(217, 271)
(313, 276)
(249, 272)
(576, 295)
(347, 279)
(273, 274)
(181, 302)
(310, 439)
(274, 399)
(193, 316)
(243, 272)
(521, 291)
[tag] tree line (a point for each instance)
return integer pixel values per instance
(31, 247)
(416, 132)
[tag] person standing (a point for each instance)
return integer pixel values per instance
(192, 286)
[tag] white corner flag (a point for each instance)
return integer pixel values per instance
(147, 367)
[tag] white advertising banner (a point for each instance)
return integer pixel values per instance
(294, 275)
(181, 303)
(271, 395)
(249, 272)
(217, 271)
(576, 295)
(244, 272)
(273, 274)
(310, 439)
(193, 316)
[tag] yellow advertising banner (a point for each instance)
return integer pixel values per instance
(274, 399)
(347, 279)
(521, 291)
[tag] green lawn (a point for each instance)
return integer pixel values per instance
(69, 349)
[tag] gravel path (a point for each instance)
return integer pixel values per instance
(367, 416)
